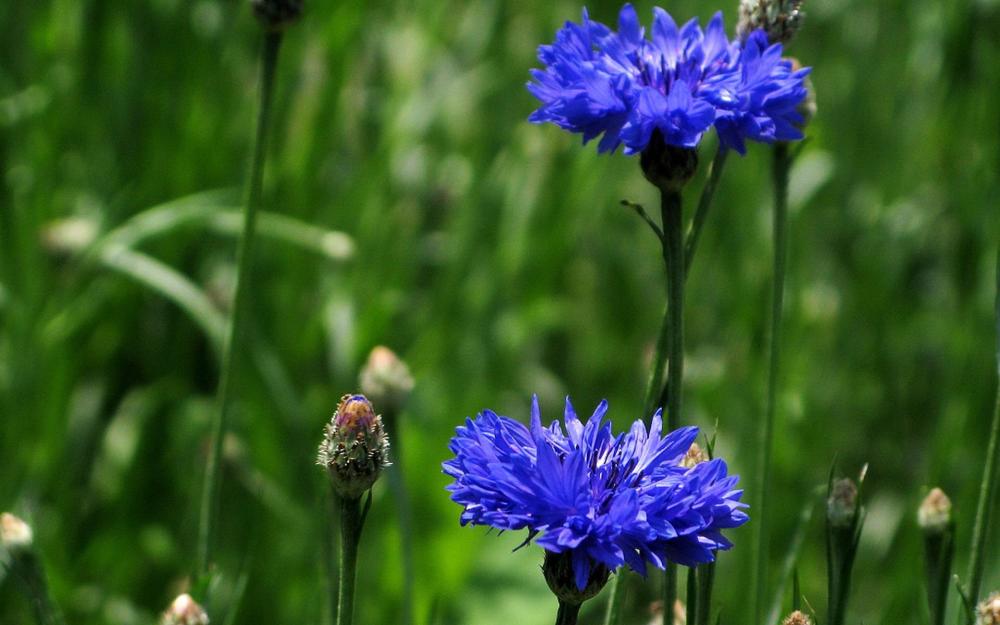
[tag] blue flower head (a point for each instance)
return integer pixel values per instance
(623, 86)
(605, 499)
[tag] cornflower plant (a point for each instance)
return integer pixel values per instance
(657, 97)
(595, 501)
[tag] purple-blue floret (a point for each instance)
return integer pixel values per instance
(622, 86)
(607, 499)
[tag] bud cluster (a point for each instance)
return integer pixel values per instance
(780, 19)
(355, 447)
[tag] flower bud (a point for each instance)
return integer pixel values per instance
(842, 505)
(780, 19)
(988, 612)
(695, 455)
(355, 447)
(934, 514)
(386, 379)
(559, 575)
(15, 534)
(277, 14)
(797, 618)
(184, 611)
(668, 167)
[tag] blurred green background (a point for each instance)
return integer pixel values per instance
(495, 257)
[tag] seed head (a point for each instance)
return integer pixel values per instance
(842, 505)
(797, 618)
(355, 447)
(780, 19)
(695, 455)
(277, 14)
(184, 611)
(988, 612)
(934, 514)
(386, 379)
(15, 534)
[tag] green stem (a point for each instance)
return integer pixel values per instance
(211, 486)
(669, 593)
(673, 255)
(568, 613)
(27, 568)
(350, 535)
(704, 203)
(939, 548)
(988, 485)
(780, 168)
(397, 485)
(692, 595)
(706, 581)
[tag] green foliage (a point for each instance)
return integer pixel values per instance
(496, 258)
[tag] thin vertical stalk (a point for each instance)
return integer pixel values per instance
(704, 203)
(235, 332)
(988, 485)
(29, 571)
(780, 167)
(692, 595)
(673, 255)
(397, 485)
(568, 613)
(350, 535)
(706, 581)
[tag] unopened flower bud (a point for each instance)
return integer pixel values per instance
(386, 379)
(277, 14)
(184, 611)
(668, 167)
(842, 506)
(355, 447)
(934, 514)
(561, 578)
(15, 534)
(780, 19)
(988, 612)
(695, 455)
(797, 618)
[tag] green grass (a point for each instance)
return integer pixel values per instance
(496, 258)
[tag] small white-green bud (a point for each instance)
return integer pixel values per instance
(386, 379)
(797, 618)
(842, 505)
(184, 611)
(15, 534)
(934, 514)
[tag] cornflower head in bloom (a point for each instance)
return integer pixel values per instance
(595, 499)
(669, 88)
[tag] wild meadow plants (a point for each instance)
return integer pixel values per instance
(166, 373)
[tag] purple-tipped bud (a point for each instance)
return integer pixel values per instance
(988, 612)
(355, 447)
(15, 534)
(386, 379)
(184, 611)
(934, 514)
(842, 505)
(797, 618)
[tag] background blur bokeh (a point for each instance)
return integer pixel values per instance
(495, 257)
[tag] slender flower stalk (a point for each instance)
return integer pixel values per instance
(845, 518)
(236, 329)
(704, 204)
(938, 527)
(765, 433)
(988, 485)
(17, 540)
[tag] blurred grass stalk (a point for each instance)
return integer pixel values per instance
(781, 164)
(24, 564)
(211, 486)
(988, 485)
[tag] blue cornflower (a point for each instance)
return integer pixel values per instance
(678, 83)
(603, 499)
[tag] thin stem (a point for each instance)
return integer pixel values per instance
(673, 256)
(704, 203)
(669, 593)
(988, 486)
(568, 613)
(780, 168)
(27, 568)
(224, 399)
(350, 534)
(397, 485)
(706, 581)
(692, 595)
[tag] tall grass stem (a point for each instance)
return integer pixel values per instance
(235, 331)
(988, 485)
(780, 166)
